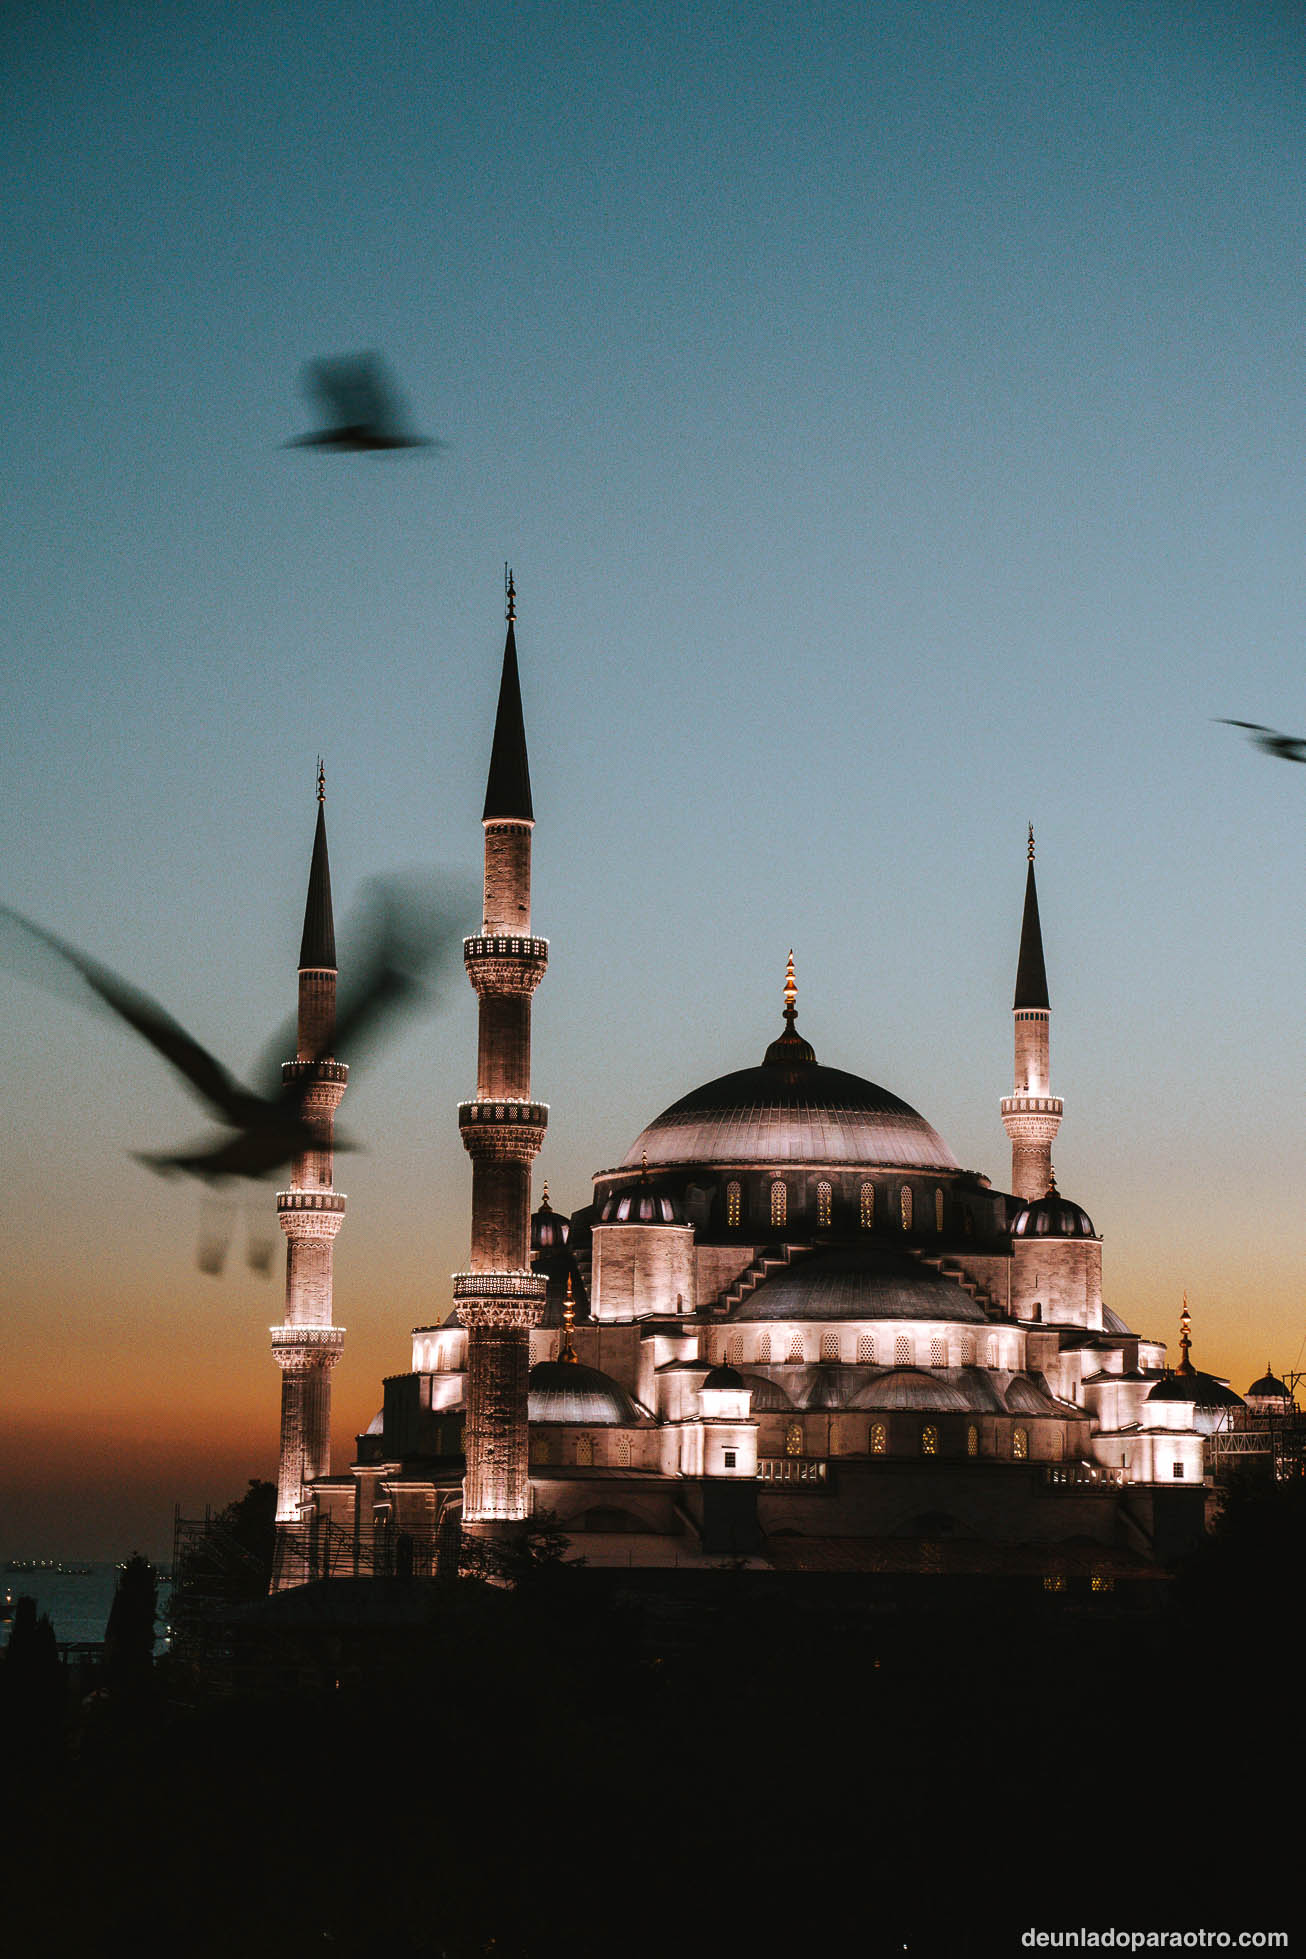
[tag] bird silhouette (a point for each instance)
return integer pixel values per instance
(361, 406)
(1289, 748)
(407, 929)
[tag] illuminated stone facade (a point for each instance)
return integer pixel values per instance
(788, 1316)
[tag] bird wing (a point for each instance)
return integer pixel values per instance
(38, 956)
(352, 390)
(404, 933)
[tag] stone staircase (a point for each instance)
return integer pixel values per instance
(770, 1259)
(950, 1268)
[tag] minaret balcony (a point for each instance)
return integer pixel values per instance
(1031, 1118)
(508, 1130)
(503, 964)
(315, 1071)
(310, 1213)
(295, 1348)
(499, 1299)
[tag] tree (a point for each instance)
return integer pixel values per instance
(129, 1636)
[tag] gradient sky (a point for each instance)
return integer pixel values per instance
(893, 415)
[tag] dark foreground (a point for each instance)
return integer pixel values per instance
(767, 1766)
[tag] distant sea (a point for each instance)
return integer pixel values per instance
(77, 1599)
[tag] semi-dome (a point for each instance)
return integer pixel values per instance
(862, 1282)
(564, 1391)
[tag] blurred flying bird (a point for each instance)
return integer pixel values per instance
(405, 932)
(360, 405)
(1289, 748)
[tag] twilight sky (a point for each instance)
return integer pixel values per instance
(893, 415)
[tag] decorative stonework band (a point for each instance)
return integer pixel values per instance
(502, 965)
(296, 1348)
(507, 1131)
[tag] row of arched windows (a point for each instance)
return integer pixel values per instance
(779, 1205)
(867, 1350)
(877, 1440)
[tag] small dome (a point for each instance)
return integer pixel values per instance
(564, 1391)
(549, 1229)
(1202, 1389)
(724, 1377)
(1053, 1216)
(641, 1203)
(1269, 1388)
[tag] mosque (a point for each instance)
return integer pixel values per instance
(789, 1326)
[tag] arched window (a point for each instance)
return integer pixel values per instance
(938, 1210)
(735, 1350)
(1020, 1443)
(585, 1449)
(795, 1346)
(824, 1204)
(991, 1354)
(929, 1440)
(866, 1350)
(779, 1202)
(623, 1451)
(902, 1351)
(879, 1438)
(972, 1440)
(829, 1346)
(764, 1347)
(733, 1205)
(542, 1448)
(967, 1352)
(938, 1353)
(794, 1439)
(868, 1207)
(904, 1202)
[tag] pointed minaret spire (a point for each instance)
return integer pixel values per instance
(1032, 1116)
(508, 789)
(317, 947)
(1031, 973)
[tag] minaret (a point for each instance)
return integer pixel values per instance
(1032, 1116)
(310, 1213)
(500, 1299)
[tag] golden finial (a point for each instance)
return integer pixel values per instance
(1031, 843)
(1185, 1337)
(643, 1166)
(567, 1351)
(1051, 1190)
(544, 1196)
(510, 591)
(321, 780)
(791, 989)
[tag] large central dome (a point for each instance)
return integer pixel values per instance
(791, 1110)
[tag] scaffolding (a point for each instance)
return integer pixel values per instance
(1260, 1441)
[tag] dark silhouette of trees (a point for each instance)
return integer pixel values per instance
(129, 1636)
